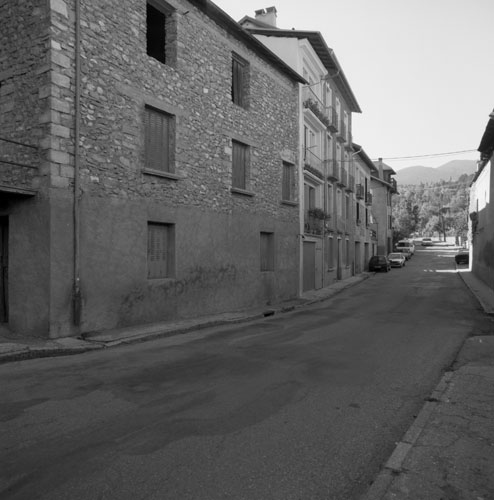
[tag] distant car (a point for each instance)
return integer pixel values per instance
(379, 263)
(426, 242)
(462, 257)
(397, 259)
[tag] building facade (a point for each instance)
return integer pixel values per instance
(383, 187)
(481, 210)
(149, 165)
(365, 234)
(327, 180)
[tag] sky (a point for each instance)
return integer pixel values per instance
(422, 70)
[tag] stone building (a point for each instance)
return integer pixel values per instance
(149, 159)
(327, 180)
(383, 187)
(481, 211)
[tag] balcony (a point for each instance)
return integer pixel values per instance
(312, 102)
(360, 192)
(315, 220)
(394, 186)
(313, 163)
(333, 119)
(333, 170)
(342, 134)
(368, 199)
(349, 142)
(351, 183)
(19, 165)
(343, 181)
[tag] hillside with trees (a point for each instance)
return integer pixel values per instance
(429, 209)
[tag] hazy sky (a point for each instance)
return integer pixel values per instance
(421, 70)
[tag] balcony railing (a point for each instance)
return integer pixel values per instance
(341, 137)
(312, 102)
(313, 225)
(333, 119)
(360, 192)
(333, 170)
(343, 181)
(368, 199)
(19, 165)
(313, 162)
(351, 183)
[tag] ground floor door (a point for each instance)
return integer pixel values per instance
(358, 258)
(4, 261)
(309, 265)
(338, 259)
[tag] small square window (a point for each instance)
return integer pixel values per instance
(161, 250)
(159, 133)
(161, 32)
(267, 251)
(240, 165)
(240, 81)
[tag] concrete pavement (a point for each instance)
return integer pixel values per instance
(448, 452)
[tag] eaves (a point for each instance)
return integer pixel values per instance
(223, 20)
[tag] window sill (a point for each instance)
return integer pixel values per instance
(158, 173)
(289, 203)
(242, 192)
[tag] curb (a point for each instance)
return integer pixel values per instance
(394, 464)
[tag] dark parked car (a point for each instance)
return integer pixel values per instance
(379, 263)
(462, 257)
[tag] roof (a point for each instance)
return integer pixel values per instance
(359, 150)
(233, 28)
(385, 167)
(325, 54)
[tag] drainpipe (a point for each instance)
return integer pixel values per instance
(76, 294)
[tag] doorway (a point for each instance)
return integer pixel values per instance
(309, 278)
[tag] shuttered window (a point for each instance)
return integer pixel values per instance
(267, 251)
(158, 128)
(161, 250)
(288, 182)
(240, 81)
(240, 156)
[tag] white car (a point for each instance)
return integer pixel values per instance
(397, 259)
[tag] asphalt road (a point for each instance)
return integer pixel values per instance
(306, 405)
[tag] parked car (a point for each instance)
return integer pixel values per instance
(406, 247)
(397, 259)
(427, 242)
(462, 257)
(379, 263)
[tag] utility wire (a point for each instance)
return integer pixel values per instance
(430, 155)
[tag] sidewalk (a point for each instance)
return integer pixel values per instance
(448, 452)
(14, 349)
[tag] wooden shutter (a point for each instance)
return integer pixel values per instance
(157, 142)
(158, 250)
(287, 181)
(239, 161)
(238, 81)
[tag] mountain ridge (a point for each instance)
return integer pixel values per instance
(451, 170)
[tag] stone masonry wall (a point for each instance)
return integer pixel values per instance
(23, 44)
(217, 231)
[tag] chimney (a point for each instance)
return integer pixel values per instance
(380, 168)
(267, 16)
